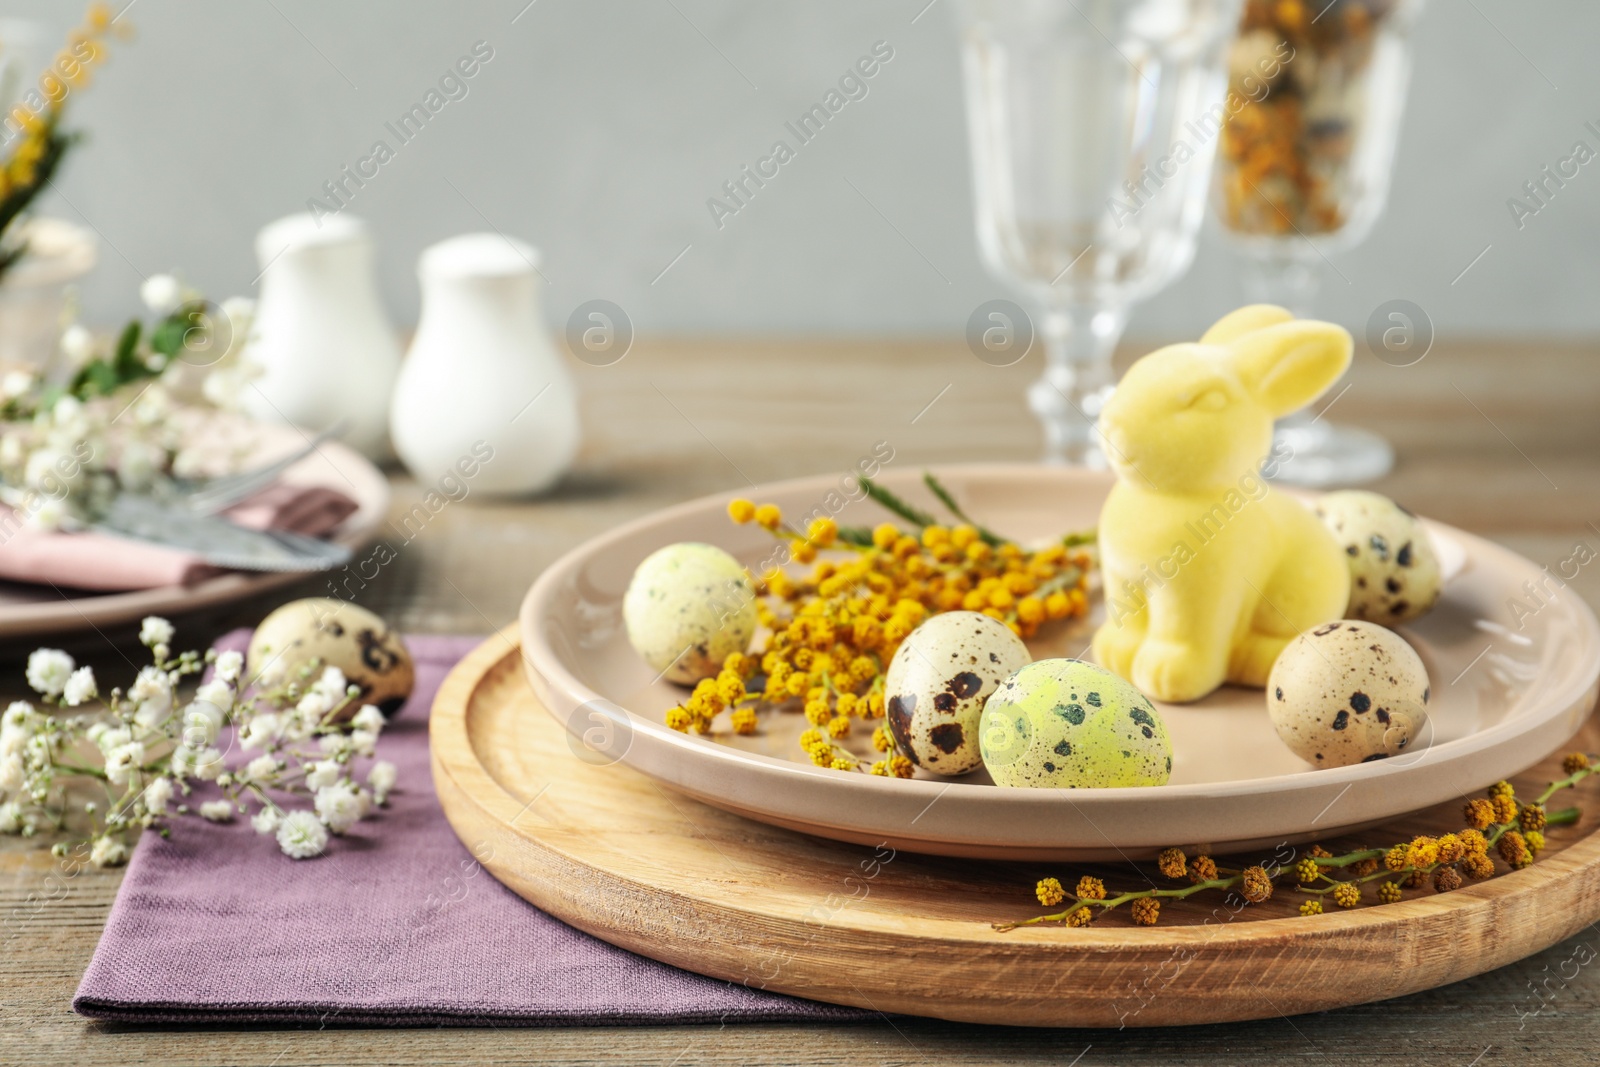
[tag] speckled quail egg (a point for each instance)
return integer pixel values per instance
(1066, 724)
(338, 634)
(937, 683)
(1394, 573)
(1349, 692)
(689, 607)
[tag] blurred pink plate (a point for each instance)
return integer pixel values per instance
(31, 611)
(1504, 698)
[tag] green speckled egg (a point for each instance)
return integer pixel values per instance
(1066, 724)
(689, 607)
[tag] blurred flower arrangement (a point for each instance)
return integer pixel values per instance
(832, 634)
(36, 118)
(128, 415)
(1495, 823)
(147, 753)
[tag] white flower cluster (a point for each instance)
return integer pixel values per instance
(153, 748)
(63, 455)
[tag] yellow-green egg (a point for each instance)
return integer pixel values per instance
(689, 607)
(1066, 724)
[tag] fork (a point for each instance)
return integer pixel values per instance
(219, 494)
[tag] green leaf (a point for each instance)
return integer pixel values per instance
(126, 361)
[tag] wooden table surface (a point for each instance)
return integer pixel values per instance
(1500, 439)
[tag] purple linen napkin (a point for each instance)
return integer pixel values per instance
(395, 925)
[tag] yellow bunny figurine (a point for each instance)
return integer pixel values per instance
(1208, 572)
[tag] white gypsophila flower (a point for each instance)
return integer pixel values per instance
(182, 761)
(11, 450)
(80, 687)
(17, 713)
(77, 344)
(157, 795)
(108, 852)
(261, 767)
(123, 761)
(323, 774)
(43, 469)
(302, 835)
(217, 693)
(261, 731)
(381, 778)
(332, 687)
(12, 820)
(161, 293)
(266, 820)
(152, 714)
(208, 765)
(49, 513)
(217, 810)
(16, 383)
(363, 742)
(113, 737)
(138, 465)
(12, 773)
(151, 683)
(155, 630)
(38, 750)
(17, 725)
(368, 718)
(229, 666)
(313, 706)
(295, 726)
(48, 670)
(339, 806)
(201, 724)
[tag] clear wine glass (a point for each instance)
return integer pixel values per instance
(1303, 173)
(1093, 127)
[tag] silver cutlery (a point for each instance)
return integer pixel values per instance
(215, 540)
(219, 494)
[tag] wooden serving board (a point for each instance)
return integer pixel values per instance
(614, 854)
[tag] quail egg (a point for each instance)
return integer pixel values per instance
(1066, 724)
(1349, 692)
(689, 607)
(339, 634)
(937, 683)
(1394, 573)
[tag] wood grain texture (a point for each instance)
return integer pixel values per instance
(614, 853)
(1500, 439)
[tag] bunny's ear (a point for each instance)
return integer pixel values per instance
(1236, 324)
(1289, 365)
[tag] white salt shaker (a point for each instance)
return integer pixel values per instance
(482, 376)
(321, 338)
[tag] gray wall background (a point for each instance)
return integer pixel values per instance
(600, 127)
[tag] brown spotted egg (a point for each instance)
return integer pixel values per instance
(1349, 692)
(323, 632)
(1394, 573)
(937, 684)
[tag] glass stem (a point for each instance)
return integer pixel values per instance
(1077, 381)
(1288, 279)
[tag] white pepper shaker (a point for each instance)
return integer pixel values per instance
(325, 347)
(482, 373)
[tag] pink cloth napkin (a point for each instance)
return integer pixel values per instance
(106, 563)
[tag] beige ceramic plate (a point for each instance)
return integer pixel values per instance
(29, 611)
(1504, 698)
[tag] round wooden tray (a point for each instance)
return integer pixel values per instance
(612, 853)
